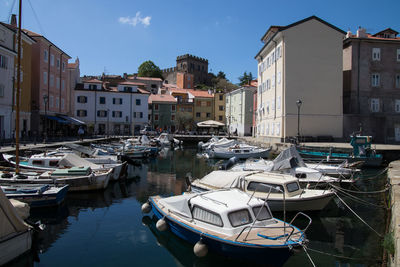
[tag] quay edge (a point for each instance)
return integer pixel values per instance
(394, 179)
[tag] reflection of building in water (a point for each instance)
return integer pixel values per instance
(137, 171)
(166, 183)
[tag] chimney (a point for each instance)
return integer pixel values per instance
(13, 20)
(361, 33)
(125, 75)
(348, 35)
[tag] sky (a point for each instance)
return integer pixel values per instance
(116, 36)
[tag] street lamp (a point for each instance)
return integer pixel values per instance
(298, 103)
(45, 100)
(108, 123)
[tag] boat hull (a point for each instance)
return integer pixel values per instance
(373, 161)
(15, 245)
(274, 255)
(244, 155)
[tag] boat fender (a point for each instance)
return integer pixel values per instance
(146, 208)
(6, 175)
(200, 145)
(161, 225)
(200, 249)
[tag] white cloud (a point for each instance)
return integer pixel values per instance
(135, 20)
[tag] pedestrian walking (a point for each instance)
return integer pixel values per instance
(81, 132)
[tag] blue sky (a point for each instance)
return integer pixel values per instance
(117, 36)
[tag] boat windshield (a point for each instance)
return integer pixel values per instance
(291, 187)
(261, 213)
(240, 217)
(265, 188)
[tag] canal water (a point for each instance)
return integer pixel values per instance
(108, 229)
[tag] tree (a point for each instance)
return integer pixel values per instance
(184, 120)
(245, 78)
(149, 69)
(221, 75)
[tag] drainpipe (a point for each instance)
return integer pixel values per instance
(59, 107)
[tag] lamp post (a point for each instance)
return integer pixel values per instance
(45, 100)
(108, 122)
(298, 103)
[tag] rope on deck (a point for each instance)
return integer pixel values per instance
(357, 215)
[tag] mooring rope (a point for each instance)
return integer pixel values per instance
(357, 215)
(362, 201)
(343, 257)
(308, 255)
(361, 192)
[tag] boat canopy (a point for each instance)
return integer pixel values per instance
(11, 222)
(224, 179)
(72, 160)
(287, 159)
(179, 204)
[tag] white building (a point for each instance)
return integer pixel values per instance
(113, 110)
(301, 61)
(7, 54)
(239, 110)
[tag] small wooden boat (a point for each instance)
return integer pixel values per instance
(282, 192)
(36, 195)
(228, 222)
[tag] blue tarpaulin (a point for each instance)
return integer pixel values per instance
(57, 119)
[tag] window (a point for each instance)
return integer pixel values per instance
(265, 188)
(2, 90)
(172, 117)
(261, 213)
(376, 54)
(375, 79)
(374, 104)
(82, 99)
(93, 86)
(128, 89)
(221, 97)
(51, 80)
(45, 55)
(62, 85)
(220, 118)
(63, 66)
(397, 106)
(208, 103)
(398, 55)
(44, 77)
(278, 128)
(173, 108)
(117, 101)
(62, 103)
(156, 117)
(278, 103)
(221, 108)
(57, 102)
(279, 77)
(197, 114)
(58, 63)
(189, 109)
(117, 114)
(155, 106)
(206, 216)
(198, 103)
(240, 217)
(208, 115)
(51, 59)
(102, 100)
(291, 187)
(397, 80)
(138, 102)
(3, 62)
(102, 113)
(51, 101)
(58, 83)
(141, 114)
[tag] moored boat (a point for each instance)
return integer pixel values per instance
(228, 222)
(239, 151)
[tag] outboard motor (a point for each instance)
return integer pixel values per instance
(227, 165)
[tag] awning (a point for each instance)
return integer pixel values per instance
(71, 120)
(210, 123)
(57, 119)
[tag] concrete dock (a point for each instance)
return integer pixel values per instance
(394, 178)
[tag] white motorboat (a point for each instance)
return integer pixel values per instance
(281, 191)
(165, 139)
(229, 222)
(214, 142)
(239, 151)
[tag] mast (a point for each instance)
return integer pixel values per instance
(18, 91)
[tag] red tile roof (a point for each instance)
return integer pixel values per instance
(93, 81)
(144, 78)
(132, 83)
(162, 98)
(200, 93)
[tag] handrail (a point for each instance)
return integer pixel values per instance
(305, 215)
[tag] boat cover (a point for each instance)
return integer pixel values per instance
(224, 179)
(287, 159)
(10, 222)
(72, 160)
(178, 204)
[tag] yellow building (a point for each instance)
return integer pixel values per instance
(219, 107)
(203, 108)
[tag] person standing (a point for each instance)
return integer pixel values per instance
(81, 132)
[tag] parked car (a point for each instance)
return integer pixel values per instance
(147, 130)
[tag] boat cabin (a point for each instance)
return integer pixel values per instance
(361, 145)
(224, 211)
(274, 185)
(48, 161)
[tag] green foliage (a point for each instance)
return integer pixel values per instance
(246, 78)
(149, 69)
(184, 120)
(388, 243)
